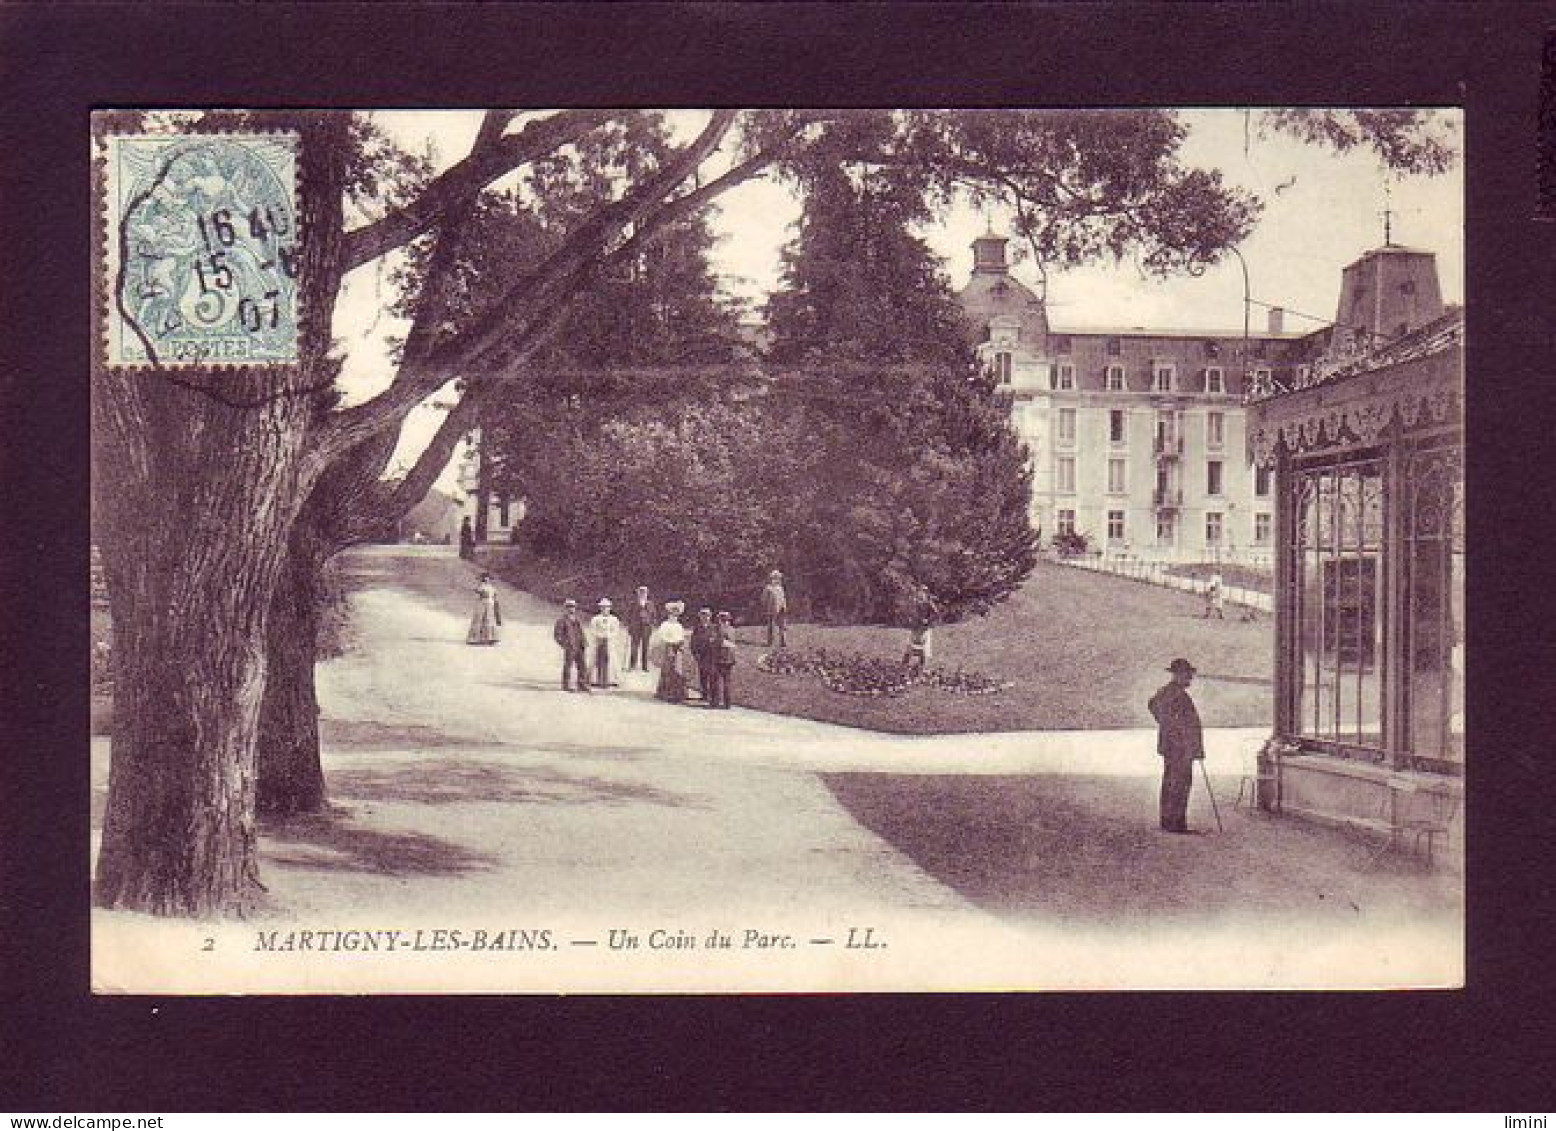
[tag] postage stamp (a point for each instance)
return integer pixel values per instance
(202, 249)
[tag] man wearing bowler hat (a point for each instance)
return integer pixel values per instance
(572, 638)
(1180, 742)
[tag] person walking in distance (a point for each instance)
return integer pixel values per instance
(570, 636)
(487, 618)
(922, 617)
(775, 609)
(605, 644)
(701, 649)
(1215, 598)
(642, 619)
(721, 663)
(1180, 742)
(668, 650)
(466, 540)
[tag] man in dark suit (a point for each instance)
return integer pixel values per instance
(721, 663)
(642, 618)
(569, 634)
(701, 646)
(1180, 743)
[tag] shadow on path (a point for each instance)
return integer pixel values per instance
(1087, 849)
(333, 842)
(454, 781)
(364, 733)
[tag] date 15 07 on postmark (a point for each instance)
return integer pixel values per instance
(202, 249)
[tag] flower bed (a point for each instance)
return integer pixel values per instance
(872, 676)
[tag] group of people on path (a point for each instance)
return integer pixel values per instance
(698, 660)
(702, 657)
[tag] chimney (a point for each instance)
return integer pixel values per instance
(1277, 320)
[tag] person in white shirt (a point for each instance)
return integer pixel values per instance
(605, 644)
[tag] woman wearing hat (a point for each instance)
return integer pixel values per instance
(487, 618)
(667, 648)
(605, 644)
(1180, 742)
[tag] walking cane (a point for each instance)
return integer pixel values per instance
(1220, 828)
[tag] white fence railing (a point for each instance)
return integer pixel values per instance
(1156, 573)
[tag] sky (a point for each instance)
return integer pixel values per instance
(1321, 211)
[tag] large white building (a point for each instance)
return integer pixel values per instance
(1138, 436)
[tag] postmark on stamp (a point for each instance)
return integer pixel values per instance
(202, 249)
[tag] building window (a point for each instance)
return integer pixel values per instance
(1261, 481)
(1116, 431)
(1002, 368)
(1337, 589)
(1067, 426)
(503, 505)
(1117, 477)
(1064, 376)
(1066, 522)
(1065, 474)
(1213, 477)
(1215, 379)
(1261, 529)
(1215, 430)
(1061, 343)
(1115, 526)
(1261, 348)
(1114, 377)
(1212, 528)
(1162, 378)
(1115, 347)
(1164, 528)
(1212, 348)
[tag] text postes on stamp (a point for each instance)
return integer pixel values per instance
(202, 249)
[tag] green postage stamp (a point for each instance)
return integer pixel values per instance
(201, 248)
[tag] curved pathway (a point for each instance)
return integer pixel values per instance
(471, 794)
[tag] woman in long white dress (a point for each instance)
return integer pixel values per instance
(667, 649)
(487, 618)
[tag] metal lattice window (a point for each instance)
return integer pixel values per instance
(1433, 580)
(1337, 581)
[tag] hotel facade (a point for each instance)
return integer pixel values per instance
(1138, 437)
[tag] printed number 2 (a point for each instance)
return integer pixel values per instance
(210, 944)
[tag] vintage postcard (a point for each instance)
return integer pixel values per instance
(801, 550)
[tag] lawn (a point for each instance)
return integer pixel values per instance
(1080, 650)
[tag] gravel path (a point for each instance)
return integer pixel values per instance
(471, 794)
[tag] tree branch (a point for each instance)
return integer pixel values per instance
(688, 204)
(513, 322)
(463, 182)
(434, 458)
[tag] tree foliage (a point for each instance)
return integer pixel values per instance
(215, 486)
(1404, 141)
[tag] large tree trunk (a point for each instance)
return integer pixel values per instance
(291, 777)
(199, 476)
(191, 567)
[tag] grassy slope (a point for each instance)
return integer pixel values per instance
(1082, 650)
